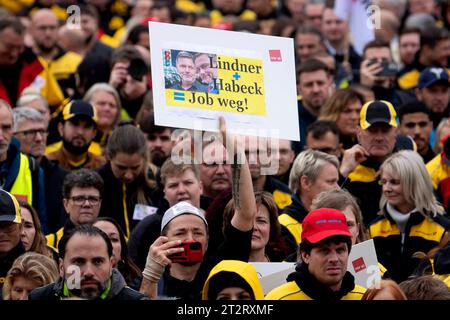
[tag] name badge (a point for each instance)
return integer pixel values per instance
(141, 211)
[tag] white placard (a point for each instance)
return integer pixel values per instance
(363, 264)
(199, 74)
(273, 274)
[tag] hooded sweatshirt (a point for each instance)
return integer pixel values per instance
(244, 270)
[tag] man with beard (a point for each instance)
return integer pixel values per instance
(433, 90)
(315, 85)
(415, 121)
(188, 74)
(207, 75)
(434, 51)
(86, 270)
(81, 191)
(77, 130)
(89, 26)
(158, 140)
(60, 64)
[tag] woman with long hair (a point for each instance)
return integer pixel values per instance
(267, 242)
(127, 186)
(410, 219)
(343, 107)
(122, 261)
(32, 237)
(105, 99)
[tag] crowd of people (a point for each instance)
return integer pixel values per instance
(95, 205)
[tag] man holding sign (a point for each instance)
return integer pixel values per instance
(322, 273)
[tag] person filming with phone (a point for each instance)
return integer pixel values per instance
(130, 77)
(378, 72)
(176, 266)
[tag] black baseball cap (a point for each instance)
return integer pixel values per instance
(9, 208)
(79, 108)
(377, 111)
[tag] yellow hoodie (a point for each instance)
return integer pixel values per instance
(243, 269)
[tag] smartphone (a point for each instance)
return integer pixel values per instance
(193, 252)
(388, 68)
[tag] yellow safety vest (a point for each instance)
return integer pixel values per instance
(23, 185)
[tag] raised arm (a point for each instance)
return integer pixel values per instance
(242, 187)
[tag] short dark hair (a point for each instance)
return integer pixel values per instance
(306, 246)
(310, 29)
(82, 178)
(413, 107)
(135, 32)
(127, 52)
(87, 230)
(409, 30)
(89, 10)
(320, 128)
(377, 43)
(148, 126)
(312, 65)
(430, 37)
(12, 22)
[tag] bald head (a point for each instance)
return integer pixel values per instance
(389, 26)
(71, 39)
(44, 30)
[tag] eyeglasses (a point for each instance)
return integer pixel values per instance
(80, 200)
(32, 132)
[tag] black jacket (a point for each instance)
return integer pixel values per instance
(118, 291)
(317, 290)
(114, 198)
(297, 212)
(237, 246)
(148, 230)
(54, 177)
(7, 261)
(421, 234)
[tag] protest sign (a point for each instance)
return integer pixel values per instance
(199, 74)
(363, 264)
(273, 274)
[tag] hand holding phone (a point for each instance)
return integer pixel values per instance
(193, 252)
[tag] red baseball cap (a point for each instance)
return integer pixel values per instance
(323, 223)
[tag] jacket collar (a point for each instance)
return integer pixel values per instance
(315, 289)
(296, 209)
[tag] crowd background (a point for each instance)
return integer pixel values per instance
(79, 147)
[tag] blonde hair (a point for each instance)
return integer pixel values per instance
(309, 163)
(36, 267)
(443, 125)
(415, 181)
(105, 87)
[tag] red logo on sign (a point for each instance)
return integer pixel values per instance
(275, 55)
(359, 264)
